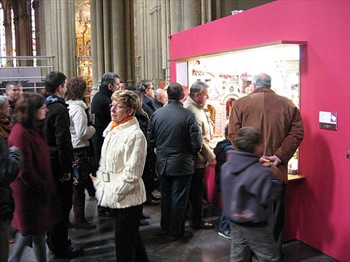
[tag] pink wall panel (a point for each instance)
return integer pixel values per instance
(319, 208)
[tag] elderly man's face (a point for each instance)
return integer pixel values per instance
(162, 97)
(202, 96)
(13, 93)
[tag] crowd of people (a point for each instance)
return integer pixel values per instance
(132, 141)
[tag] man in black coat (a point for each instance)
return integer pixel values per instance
(173, 131)
(101, 112)
(58, 136)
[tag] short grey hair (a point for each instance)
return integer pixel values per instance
(159, 92)
(197, 87)
(11, 83)
(262, 80)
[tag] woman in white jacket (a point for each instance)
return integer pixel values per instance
(81, 132)
(119, 183)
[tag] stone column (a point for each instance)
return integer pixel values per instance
(192, 16)
(166, 32)
(112, 39)
(129, 75)
(60, 34)
(8, 33)
(36, 7)
(94, 39)
(176, 16)
(24, 31)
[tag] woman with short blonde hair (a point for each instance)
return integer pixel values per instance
(119, 185)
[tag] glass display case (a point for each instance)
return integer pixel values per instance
(229, 76)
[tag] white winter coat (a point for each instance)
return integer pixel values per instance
(119, 181)
(80, 131)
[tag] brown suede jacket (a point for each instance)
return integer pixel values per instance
(277, 118)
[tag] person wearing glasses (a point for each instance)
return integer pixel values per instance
(101, 117)
(147, 90)
(149, 177)
(33, 189)
(118, 182)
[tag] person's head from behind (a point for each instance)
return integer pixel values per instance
(30, 110)
(76, 88)
(125, 103)
(13, 91)
(175, 91)
(110, 81)
(261, 80)
(248, 139)
(56, 84)
(146, 88)
(137, 92)
(161, 96)
(199, 92)
(4, 107)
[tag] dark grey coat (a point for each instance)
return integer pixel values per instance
(174, 132)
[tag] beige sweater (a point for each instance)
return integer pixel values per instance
(207, 153)
(119, 183)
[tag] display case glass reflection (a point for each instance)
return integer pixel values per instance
(229, 77)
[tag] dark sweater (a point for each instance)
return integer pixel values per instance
(220, 152)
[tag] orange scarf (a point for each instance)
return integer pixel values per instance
(115, 124)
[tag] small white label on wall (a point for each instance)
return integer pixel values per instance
(328, 120)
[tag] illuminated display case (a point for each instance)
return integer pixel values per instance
(229, 76)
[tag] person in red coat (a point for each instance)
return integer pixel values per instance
(34, 186)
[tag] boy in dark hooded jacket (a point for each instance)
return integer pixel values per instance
(249, 188)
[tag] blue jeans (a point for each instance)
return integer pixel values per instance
(174, 192)
(224, 224)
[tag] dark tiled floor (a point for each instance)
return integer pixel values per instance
(204, 246)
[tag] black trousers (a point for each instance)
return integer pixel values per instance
(196, 195)
(128, 243)
(57, 237)
(277, 217)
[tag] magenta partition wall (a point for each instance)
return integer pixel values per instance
(318, 209)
